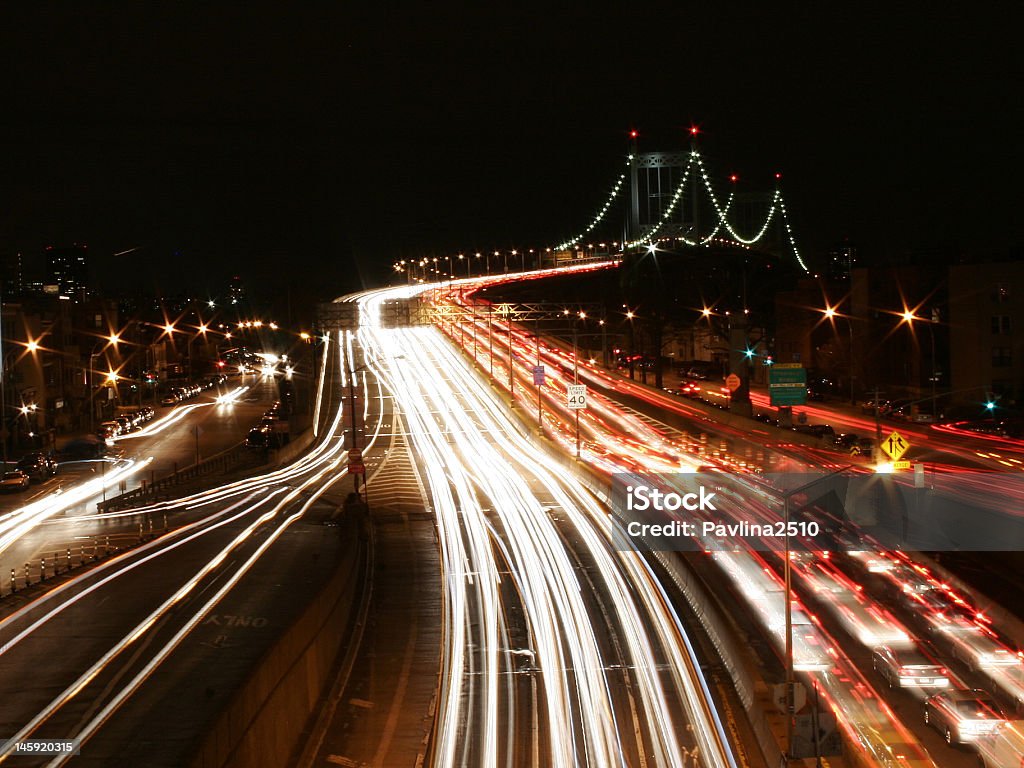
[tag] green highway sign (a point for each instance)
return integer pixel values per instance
(787, 384)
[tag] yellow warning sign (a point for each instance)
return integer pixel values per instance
(895, 446)
(898, 465)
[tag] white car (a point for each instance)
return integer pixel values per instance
(14, 481)
(963, 716)
(908, 668)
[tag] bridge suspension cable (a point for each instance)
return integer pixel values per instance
(599, 217)
(777, 207)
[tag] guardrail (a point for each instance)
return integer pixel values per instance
(159, 490)
(49, 565)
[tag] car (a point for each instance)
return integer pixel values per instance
(1003, 747)
(963, 716)
(908, 668)
(108, 430)
(169, 400)
(867, 405)
(865, 446)
(816, 430)
(897, 410)
(125, 423)
(14, 481)
(889, 750)
(263, 437)
(689, 389)
(845, 440)
(38, 465)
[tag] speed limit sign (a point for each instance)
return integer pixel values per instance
(576, 397)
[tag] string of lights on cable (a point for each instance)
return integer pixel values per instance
(599, 217)
(649, 237)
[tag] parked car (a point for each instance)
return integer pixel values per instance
(963, 716)
(38, 466)
(15, 481)
(88, 447)
(908, 668)
(108, 430)
(817, 430)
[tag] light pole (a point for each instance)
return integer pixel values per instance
(831, 315)
(630, 316)
(353, 446)
(576, 380)
(96, 350)
(3, 385)
(787, 575)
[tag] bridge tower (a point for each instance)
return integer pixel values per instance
(653, 179)
(669, 199)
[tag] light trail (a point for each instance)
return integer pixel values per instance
(304, 481)
(471, 451)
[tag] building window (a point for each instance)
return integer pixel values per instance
(1001, 293)
(1001, 325)
(1001, 357)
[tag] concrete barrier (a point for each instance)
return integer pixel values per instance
(264, 724)
(293, 449)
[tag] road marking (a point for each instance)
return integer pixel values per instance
(361, 703)
(339, 760)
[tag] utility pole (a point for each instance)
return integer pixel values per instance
(353, 445)
(3, 382)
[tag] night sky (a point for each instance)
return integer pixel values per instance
(310, 149)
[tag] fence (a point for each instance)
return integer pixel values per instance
(14, 578)
(161, 490)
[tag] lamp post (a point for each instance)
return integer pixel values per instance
(353, 445)
(576, 380)
(908, 316)
(630, 316)
(788, 579)
(831, 315)
(3, 386)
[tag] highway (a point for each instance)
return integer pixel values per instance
(102, 655)
(558, 645)
(599, 669)
(59, 514)
(635, 429)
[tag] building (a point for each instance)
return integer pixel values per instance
(67, 271)
(236, 292)
(842, 260)
(986, 326)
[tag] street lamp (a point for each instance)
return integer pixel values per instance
(831, 315)
(107, 341)
(788, 579)
(632, 345)
(908, 316)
